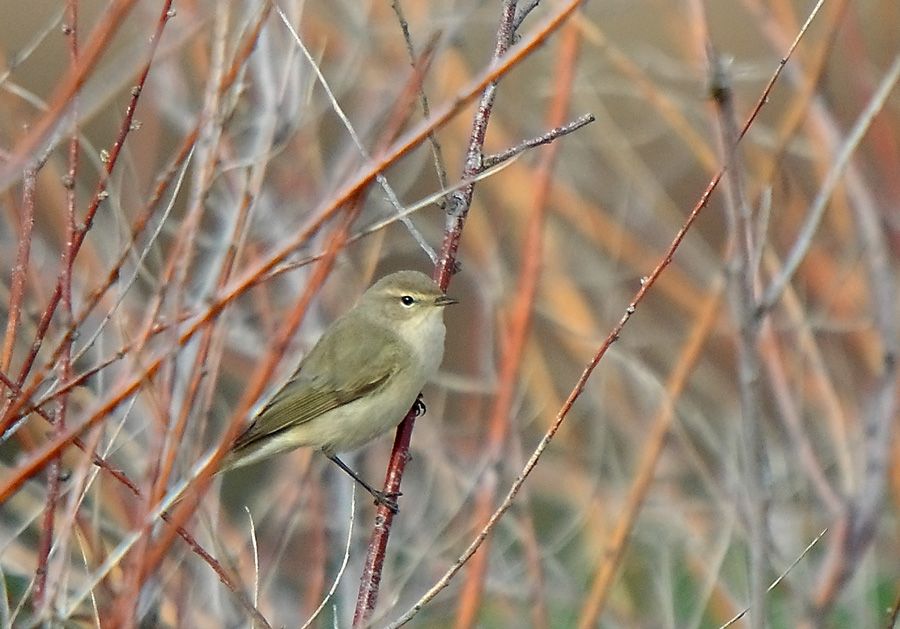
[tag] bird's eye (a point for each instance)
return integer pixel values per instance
(407, 300)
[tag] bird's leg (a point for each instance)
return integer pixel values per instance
(389, 500)
(419, 407)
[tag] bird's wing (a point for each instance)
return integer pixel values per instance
(353, 371)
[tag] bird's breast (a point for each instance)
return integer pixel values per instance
(427, 344)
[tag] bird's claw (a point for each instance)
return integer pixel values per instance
(388, 499)
(419, 407)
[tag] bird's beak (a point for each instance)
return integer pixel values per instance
(444, 300)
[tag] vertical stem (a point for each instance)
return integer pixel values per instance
(42, 600)
(744, 305)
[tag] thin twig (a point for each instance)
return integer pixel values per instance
(344, 561)
(546, 138)
(523, 12)
(879, 418)
(459, 203)
(781, 576)
(17, 294)
(742, 284)
(255, 548)
(113, 18)
(19, 271)
(41, 600)
(436, 153)
(817, 208)
(159, 512)
(657, 437)
(380, 178)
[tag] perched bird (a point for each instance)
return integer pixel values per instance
(359, 380)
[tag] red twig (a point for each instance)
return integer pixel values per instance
(17, 293)
(109, 164)
(20, 270)
(41, 601)
(113, 17)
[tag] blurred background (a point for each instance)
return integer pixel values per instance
(711, 446)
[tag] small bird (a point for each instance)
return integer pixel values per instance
(359, 380)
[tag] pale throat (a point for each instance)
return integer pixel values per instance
(426, 339)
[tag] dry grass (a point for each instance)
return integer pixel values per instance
(170, 250)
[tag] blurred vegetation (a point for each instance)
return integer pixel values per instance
(710, 447)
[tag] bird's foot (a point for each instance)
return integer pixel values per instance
(387, 499)
(419, 407)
